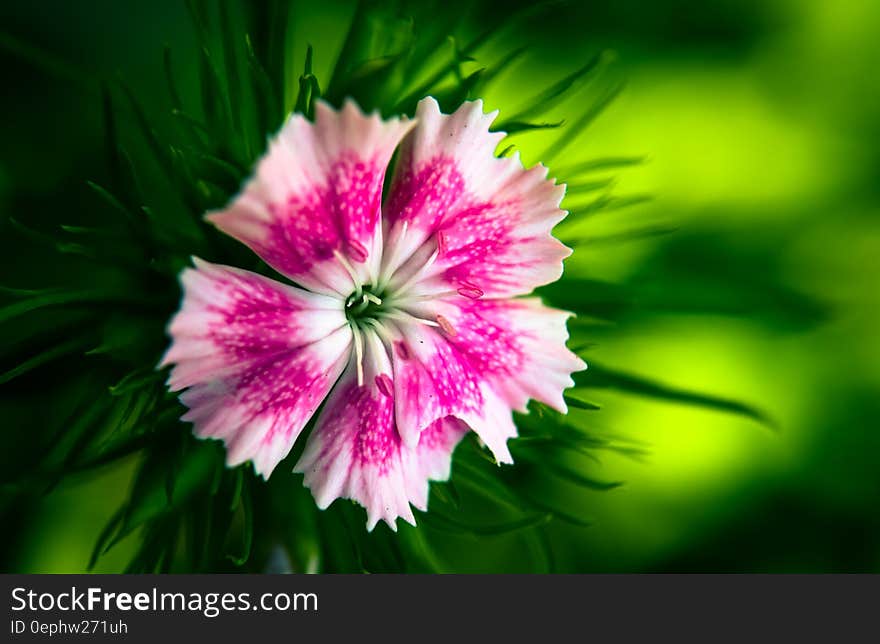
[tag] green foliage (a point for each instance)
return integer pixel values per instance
(186, 510)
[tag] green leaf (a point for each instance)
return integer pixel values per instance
(60, 297)
(451, 98)
(579, 478)
(47, 61)
(577, 403)
(267, 104)
(102, 544)
(521, 127)
(367, 81)
(548, 98)
(603, 204)
(309, 89)
(58, 351)
(247, 529)
(214, 102)
(448, 524)
(646, 232)
(230, 63)
(158, 149)
(562, 515)
(490, 486)
(598, 165)
(599, 377)
(199, 130)
(137, 379)
(238, 484)
(578, 189)
(113, 201)
(494, 71)
(446, 493)
(149, 499)
(169, 78)
(570, 134)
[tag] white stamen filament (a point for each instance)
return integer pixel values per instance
(418, 274)
(358, 354)
(349, 269)
(403, 316)
(387, 271)
(416, 299)
(381, 331)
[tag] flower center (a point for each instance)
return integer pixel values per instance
(364, 304)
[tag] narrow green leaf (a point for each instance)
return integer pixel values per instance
(107, 196)
(496, 70)
(36, 236)
(214, 103)
(451, 98)
(176, 102)
(149, 498)
(578, 189)
(486, 485)
(562, 515)
(309, 90)
(192, 123)
(605, 203)
(522, 127)
(548, 98)
(577, 403)
(58, 351)
(46, 61)
(268, 105)
(445, 523)
(59, 297)
(600, 377)
(137, 379)
(352, 50)
(238, 484)
(570, 134)
(646, 232)
(446, 493)
(598, 165)
(105, 537)
(580, 479)
(158, 149)
(247, 529)
(230, 62)
(111, 140)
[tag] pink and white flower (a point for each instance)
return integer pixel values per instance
(405, 318)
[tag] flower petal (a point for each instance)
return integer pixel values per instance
(257, 356)
(434, 452)
(312, 209)
(483, 223)
(434, 380)
(517, 345)
(355, 451)
(432, 460)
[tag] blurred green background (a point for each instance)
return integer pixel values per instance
(760, 124)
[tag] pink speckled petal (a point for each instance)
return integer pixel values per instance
(432, 458)
(356, 453)
(517, 345)
(434, 380)
(315, 198)
(481, 224)
(257, 358)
